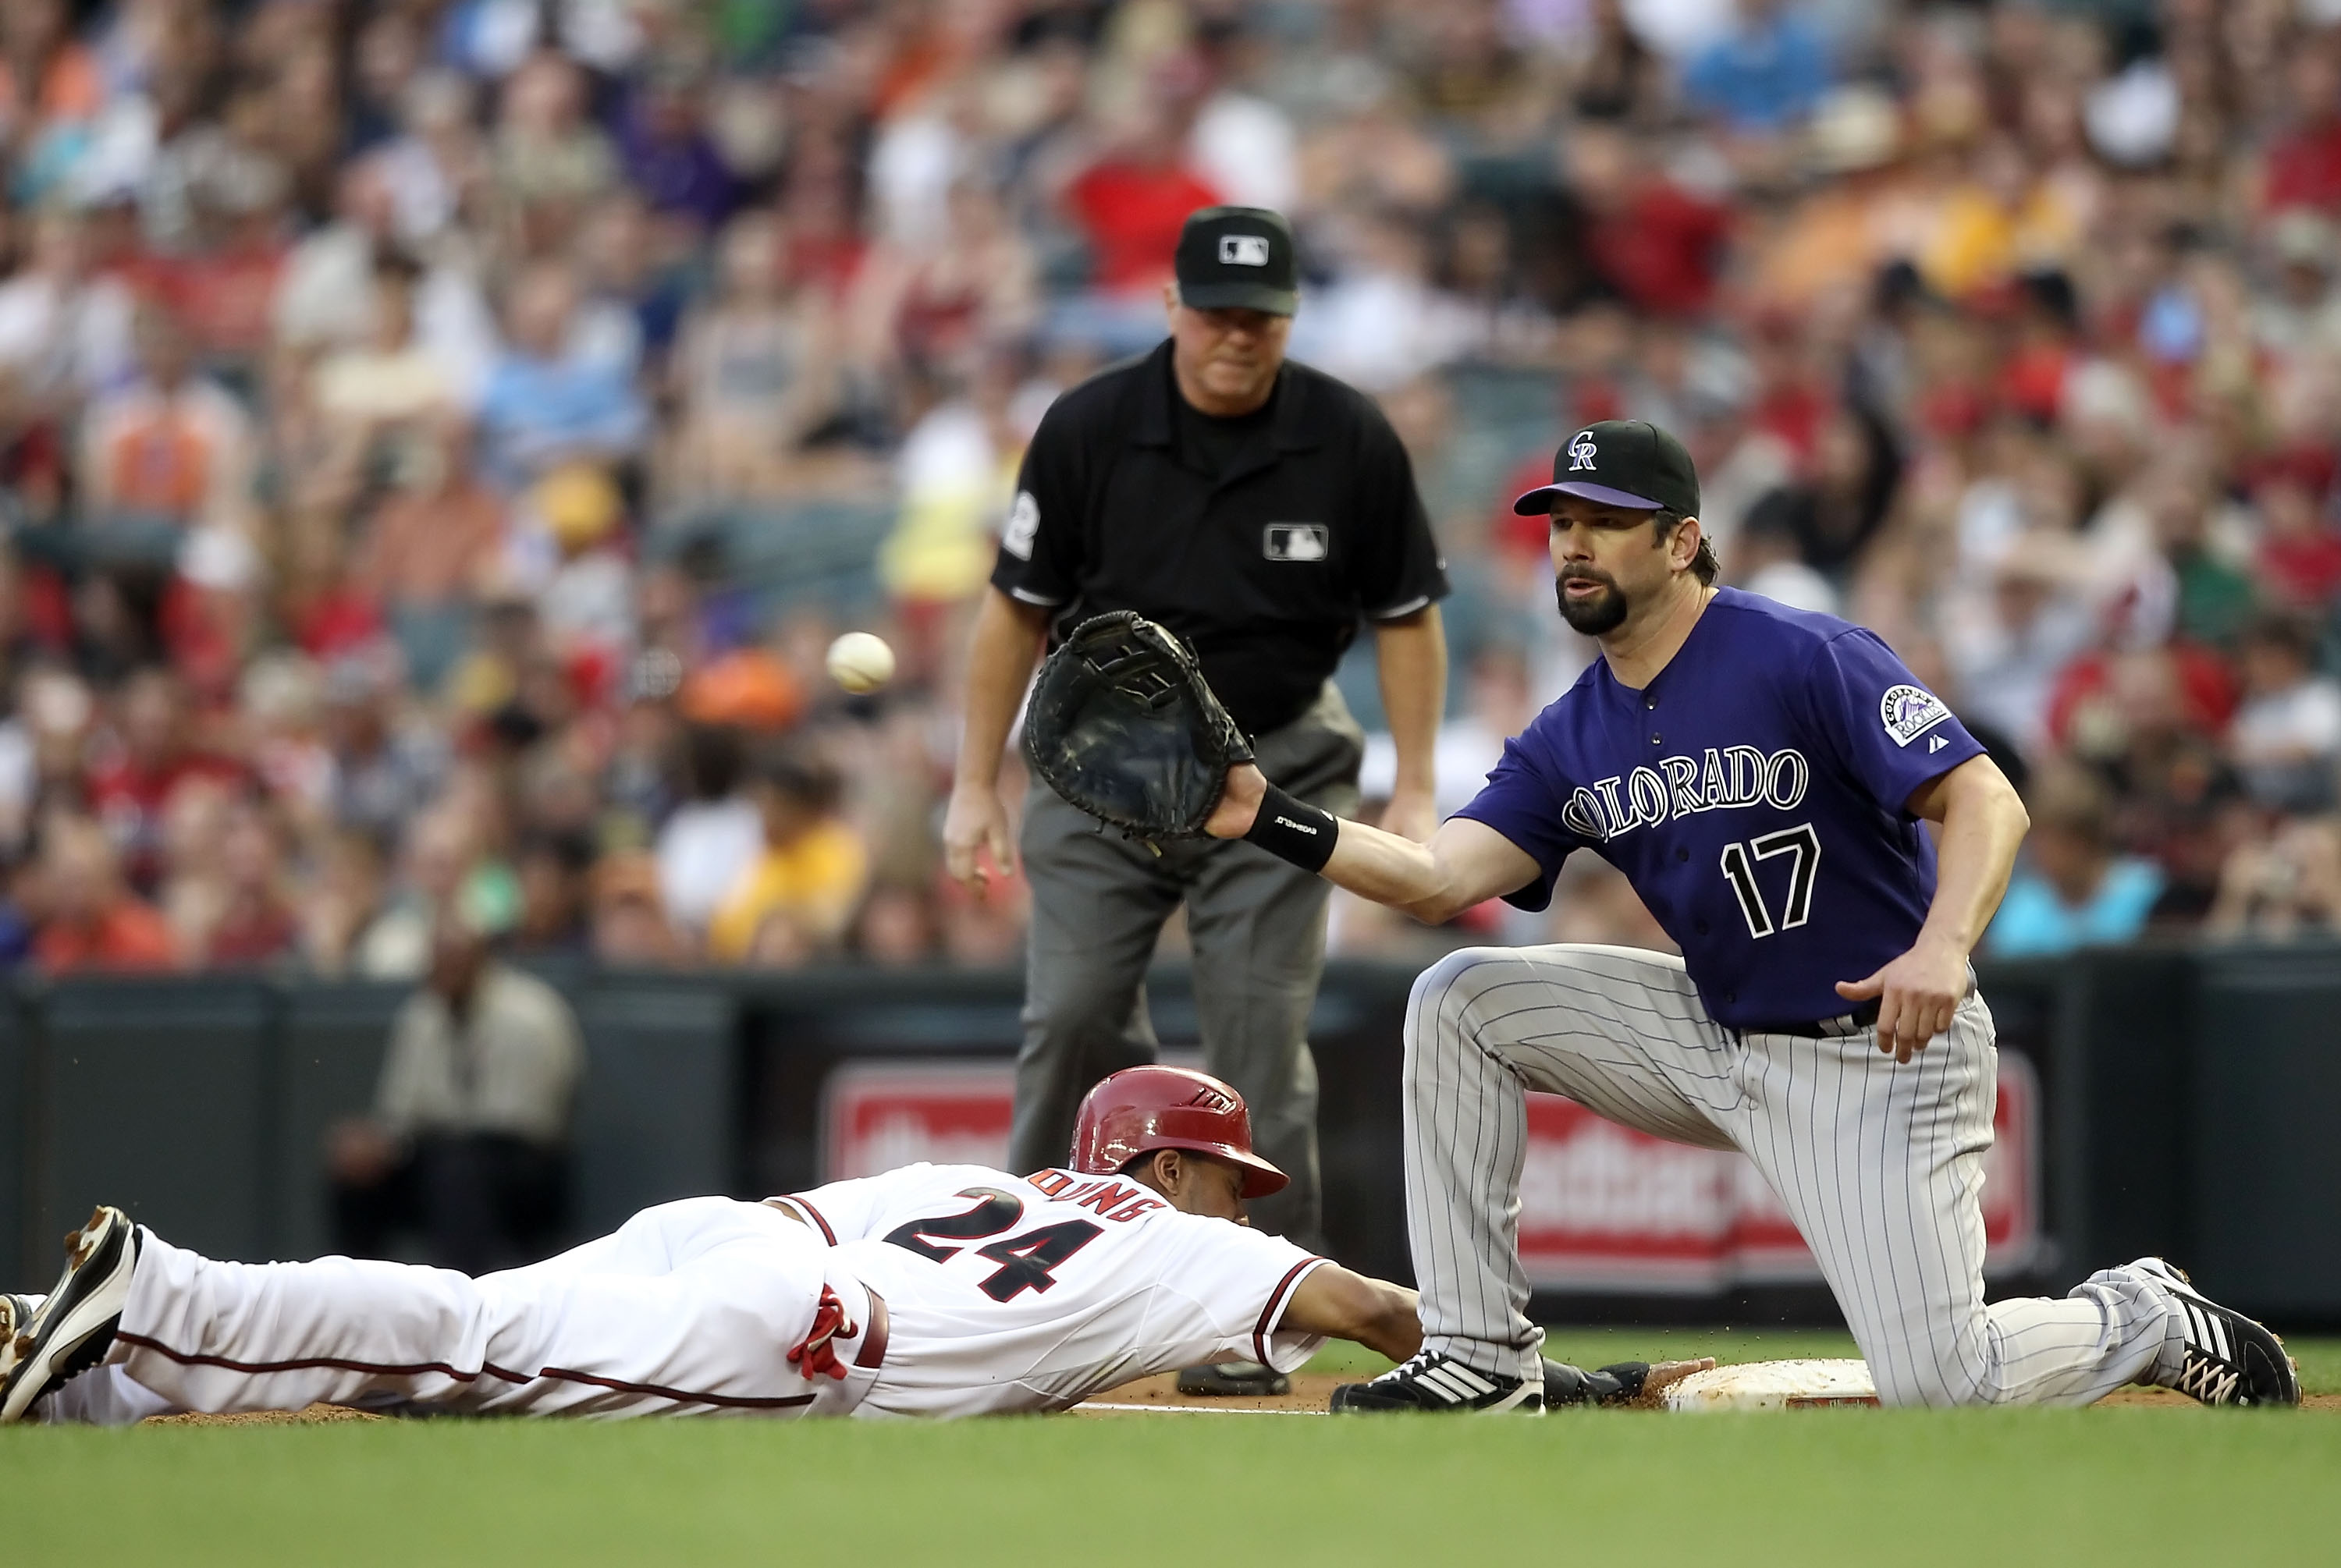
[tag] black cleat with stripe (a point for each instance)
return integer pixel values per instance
(71, 1330)
(2230, 1359)
(1429, 1381)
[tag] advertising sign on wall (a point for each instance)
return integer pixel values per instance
(1602, 1208)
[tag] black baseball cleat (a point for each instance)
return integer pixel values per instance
(2230, 1359)
(1429, 1381)
(70, 1333)
(1234, 1379)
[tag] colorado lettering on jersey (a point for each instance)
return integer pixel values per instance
(1722, 780)
(1109, 1197)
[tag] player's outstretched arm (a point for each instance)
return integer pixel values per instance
(1465, 862)
(1339, 1304)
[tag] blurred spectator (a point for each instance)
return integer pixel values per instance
(630, 928)
(170, 448)
(555, 909)
(438, 854)
(2283, 882)
(569, 556)
(544, 405)
(256, 923)
(376, 396)
(89, 919)
(1131, 202)
(2286, 737)
(793, 903)
(147, 757)
(1768, 558)
(666, 151)
(466, 1148)
(714, 832)
(431, 545)
(1764, 75)
(548, 158)
(1647, 238)
(2073, 890)
(754, 371)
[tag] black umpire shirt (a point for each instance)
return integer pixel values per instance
(1261, 540)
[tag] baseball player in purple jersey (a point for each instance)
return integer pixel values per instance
(1762, 776)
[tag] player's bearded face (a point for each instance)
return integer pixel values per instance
(1597, 604)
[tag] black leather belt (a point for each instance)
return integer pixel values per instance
(1860, 1018)
(872, 1353)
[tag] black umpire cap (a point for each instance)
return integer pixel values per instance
(1628, 462)
(1238, 258)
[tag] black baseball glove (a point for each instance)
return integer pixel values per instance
(1122, 725)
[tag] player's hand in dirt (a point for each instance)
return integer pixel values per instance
(975, 821)
(1239, 804)
(1916, 995)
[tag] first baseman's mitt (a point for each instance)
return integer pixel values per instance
(1122, 725)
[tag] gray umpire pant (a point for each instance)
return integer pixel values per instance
(1257, 927)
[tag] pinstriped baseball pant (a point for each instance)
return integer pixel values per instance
(1880, 1164)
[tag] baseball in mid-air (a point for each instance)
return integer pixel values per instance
(861, 661)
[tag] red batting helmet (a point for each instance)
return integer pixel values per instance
(1140, 1109)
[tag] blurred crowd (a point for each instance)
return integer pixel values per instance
(394, 397)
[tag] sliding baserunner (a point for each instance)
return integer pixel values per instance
(929, 1291)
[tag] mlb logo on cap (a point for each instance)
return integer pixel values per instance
(1237, 258)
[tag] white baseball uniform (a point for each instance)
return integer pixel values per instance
(965, 1291)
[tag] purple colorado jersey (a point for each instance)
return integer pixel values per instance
(1753, 795)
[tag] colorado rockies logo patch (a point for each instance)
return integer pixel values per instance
(1909, 711)
(1580, 450)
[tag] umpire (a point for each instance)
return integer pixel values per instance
(1259, 509)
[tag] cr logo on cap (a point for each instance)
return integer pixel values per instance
(1581, 452)
(1243, 250)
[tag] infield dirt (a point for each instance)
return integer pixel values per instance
(1310, 1391)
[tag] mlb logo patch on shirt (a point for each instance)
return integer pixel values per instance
(1243, 250)
(1909, 711)
(1297, 540)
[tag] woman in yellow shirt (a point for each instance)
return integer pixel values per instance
(798, 897)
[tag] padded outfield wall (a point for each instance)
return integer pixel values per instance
(2178, 1100)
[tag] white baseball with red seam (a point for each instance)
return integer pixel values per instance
(861, 661)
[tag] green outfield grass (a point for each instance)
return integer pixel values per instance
(1868, 1487)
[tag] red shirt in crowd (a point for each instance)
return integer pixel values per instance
(1131, 215)
(2306, 572)
(123, 785)
(250, 933)
(228, 295)
(129, 936)
(2304, 169)
(1661, 249)
(2207, 690)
